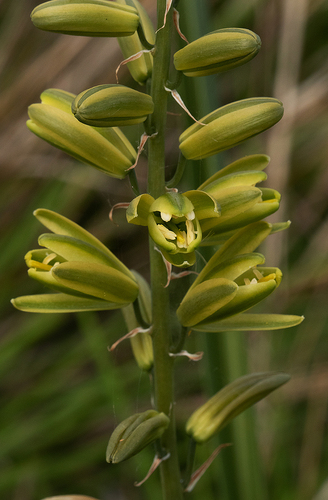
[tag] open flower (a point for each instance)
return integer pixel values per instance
(74, 263)
(173, 221)
(230, 284)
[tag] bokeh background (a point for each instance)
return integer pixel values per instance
(61, 391)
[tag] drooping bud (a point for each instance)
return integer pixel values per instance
(106, 149)
(140, 68)
(229, 125)
(86, 18)
(134, 434)
(230, 401)
(111, 106)
(218, 51)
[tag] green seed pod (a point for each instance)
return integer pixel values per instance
(230, 125)
(218, 51)
(86, 18)
(112, 105)
(134, 434)
(230, 401)
(141, 68)
(106, 149)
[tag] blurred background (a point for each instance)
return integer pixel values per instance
(61, 391)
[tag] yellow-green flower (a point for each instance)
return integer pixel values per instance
(230, 284)
(86, 275)
(173, 221)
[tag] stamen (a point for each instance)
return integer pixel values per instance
(38, 265)
(169, 235)
(190, 232)
(269, 277)
(49, 258)
(257, 273)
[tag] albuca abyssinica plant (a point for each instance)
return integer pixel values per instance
(225, 212)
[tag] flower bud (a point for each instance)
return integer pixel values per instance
(229, 125)
(134, 434)
(106, 149)
(230, 401)
(112, 105)
(141, 68)
(86, 18)
(218, 51)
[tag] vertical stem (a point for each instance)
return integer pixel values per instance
(163, 363)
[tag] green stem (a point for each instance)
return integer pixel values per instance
(163, 363)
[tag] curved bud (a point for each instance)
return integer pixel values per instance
(112, 105)
(230, 125)
(141, 68)
(134, 434)
(230, 401)
(86, 18)
(218, 51)
(106, 149)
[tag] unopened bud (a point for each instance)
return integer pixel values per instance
(86, 18)
(140, 68)
(134, 434)
(218, 51)
(111, 106)
(229, 125)
(230, 401)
